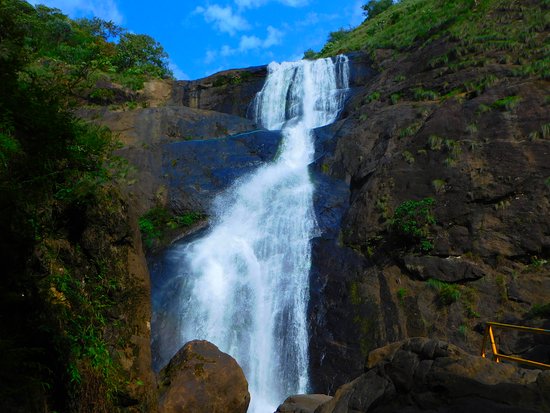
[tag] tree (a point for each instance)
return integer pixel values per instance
(375, 7)
(309, 54)
(143, 52)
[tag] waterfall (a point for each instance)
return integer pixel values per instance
(246, 282)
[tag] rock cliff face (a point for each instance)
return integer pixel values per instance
(476, 140)
(421, 374)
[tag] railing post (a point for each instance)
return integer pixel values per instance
(493, 344)
(484, 345)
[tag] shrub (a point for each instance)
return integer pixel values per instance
(373, 96)
(401, 294)
(375, 7)
(539, 311)
(447, 293)
(154, 223)
(507, 103)
(412, 221)
(423, 94)
(408, 157)
(394, 98)
(309, 54)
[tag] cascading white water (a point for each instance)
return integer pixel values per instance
(247, 287)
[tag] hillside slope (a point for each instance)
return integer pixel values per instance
(446, 153)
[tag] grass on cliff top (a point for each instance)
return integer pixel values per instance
(517, 28)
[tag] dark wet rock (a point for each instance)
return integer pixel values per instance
(233, 91)
(202, 379)
(450, 269)
(143, 127)
(421, 375)
(230, 91)
(303, 403)
(196, 171)
(487, 170)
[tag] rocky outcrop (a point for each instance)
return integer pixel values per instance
(202, 379)
(303, 403)
(230, 91)
(476, 140)
(421, 375)
(146, 134)
(233, 91)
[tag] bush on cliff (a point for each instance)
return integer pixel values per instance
(473, 26)
(63, 229)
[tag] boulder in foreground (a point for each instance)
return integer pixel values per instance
(303, 403)
(202, 379)
(421, 375)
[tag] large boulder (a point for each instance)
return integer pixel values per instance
(303, 403)
(421, 374)
(202, 379)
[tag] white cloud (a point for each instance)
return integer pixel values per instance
(273, 38)
(178, 73)
(314, 18)
(227, 50)
(210, 56)
(223, 18)
(251, 4)
(294, 3)
(104, 9)
(248, 43)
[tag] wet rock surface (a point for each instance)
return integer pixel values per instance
(303, 403)
(486, 167)
(202, 379)
(421, 374)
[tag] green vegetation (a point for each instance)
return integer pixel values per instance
(410, 130)
(374, 96)
(422, 94)
(507, 103)
(475, 27)
(67, 58)
(234, 79)
(439, 185)
(435, 142)
(394, 98)
(451, 147)
(539, 311)
(412, 222)
(374, 7)
(401, 294)
(537, 262)
(447, 293)
(408, 157)
(309, 54)
(63, 229)
(155, 222)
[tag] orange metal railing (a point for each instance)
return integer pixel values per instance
(498, 356)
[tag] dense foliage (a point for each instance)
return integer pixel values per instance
(374, 7)
(57, 293)
(158, 220)
(474, 27)
(412, 222)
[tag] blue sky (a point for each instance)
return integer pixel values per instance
(205, 36)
